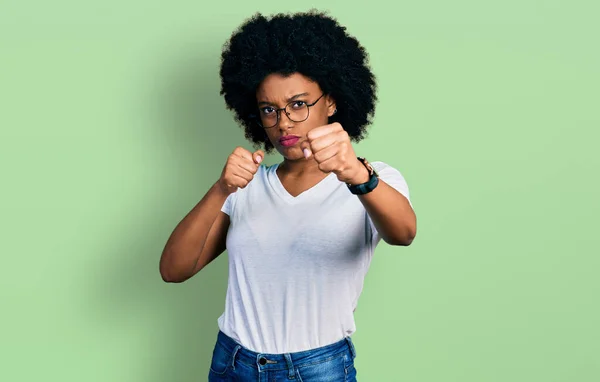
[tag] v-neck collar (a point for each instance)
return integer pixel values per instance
(289, 198)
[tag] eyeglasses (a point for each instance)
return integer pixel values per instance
(296, 111)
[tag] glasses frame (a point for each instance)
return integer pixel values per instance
(308, 106)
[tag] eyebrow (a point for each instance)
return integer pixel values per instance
(288, 100)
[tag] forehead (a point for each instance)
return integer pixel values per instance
(276, 87)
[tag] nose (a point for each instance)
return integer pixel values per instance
(284, 121)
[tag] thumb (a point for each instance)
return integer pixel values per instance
(258, 156)
(305, 146)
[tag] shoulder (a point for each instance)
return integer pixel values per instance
(392, 176)
(267, 168)
(384, 168)
(263, 173)
(242, 195)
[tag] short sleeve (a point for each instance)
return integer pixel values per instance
(394, 178)
(229, 204)
(241, 194)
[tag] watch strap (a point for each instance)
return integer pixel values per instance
(368, 186)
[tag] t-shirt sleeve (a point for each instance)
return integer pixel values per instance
(394, 178)
(240, 195)
(229, 204)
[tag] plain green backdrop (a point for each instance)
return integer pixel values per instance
(112, 129)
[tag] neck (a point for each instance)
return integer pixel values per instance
(300, 168)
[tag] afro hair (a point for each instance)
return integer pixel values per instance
(312, 44)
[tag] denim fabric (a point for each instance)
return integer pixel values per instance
(331, 363)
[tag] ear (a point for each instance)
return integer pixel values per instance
(331, 105)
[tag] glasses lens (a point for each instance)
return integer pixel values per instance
(297, 111)
(269, 119)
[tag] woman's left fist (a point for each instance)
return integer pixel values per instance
(331, 147)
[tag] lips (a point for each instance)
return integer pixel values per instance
(289, 140)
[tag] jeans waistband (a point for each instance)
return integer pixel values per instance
(267, 361)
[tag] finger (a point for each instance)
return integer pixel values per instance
(323, 130)
(243, 174)
(246, 165)
(258, 156)
(323, 142)
(328, 165)
(243, 153)
(305, 146)
(238, 181)
(327, 153)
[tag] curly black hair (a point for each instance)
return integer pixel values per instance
(310, 43)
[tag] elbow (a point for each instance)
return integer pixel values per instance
(403, 242)
(404, 238)
(166, 277)
(171, 278)
(169, 274)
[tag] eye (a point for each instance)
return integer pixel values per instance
(298, 104)
(267, 110)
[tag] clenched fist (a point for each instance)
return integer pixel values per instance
(240, 169)
(331, 147)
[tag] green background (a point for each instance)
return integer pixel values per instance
(112, 129)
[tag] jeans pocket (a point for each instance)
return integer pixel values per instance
(221, 360)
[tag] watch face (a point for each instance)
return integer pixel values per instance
(367, 165)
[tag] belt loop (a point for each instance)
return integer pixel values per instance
(351, 346)
(290, 365)
(238, 347)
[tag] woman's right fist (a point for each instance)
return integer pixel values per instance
(240, 169)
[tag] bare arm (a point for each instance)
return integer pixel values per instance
(197, 240)
(391, 213)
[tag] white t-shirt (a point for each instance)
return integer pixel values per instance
(297, 264)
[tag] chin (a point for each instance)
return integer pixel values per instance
(293, 153)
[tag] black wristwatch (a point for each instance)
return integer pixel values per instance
(368, 186)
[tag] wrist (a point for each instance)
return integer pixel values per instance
(222, 189)
(360, 186)
(362, 174)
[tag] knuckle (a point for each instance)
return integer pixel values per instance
(240, 150)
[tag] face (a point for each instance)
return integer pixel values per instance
(277, 91)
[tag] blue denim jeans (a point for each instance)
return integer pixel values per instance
(233, 362)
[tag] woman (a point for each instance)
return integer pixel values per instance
(300, 234)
